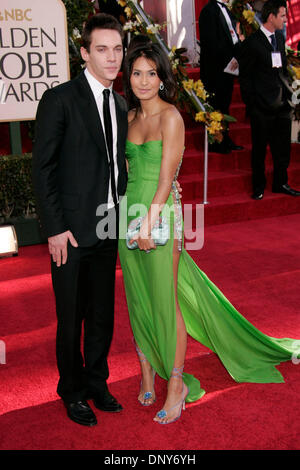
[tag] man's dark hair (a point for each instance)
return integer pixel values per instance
(154, 53)
(99, 21)
(271, 6)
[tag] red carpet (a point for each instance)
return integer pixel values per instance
(255, 263)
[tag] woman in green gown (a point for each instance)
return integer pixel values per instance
(168, 296)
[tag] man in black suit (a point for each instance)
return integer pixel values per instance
(79, 170)
(267, 95)
(219, 45)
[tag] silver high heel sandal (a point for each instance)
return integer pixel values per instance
(147, 395)
(176, 373)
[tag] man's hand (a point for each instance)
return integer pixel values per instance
(58, 246)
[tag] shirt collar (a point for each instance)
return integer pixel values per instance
(266, 31)
(96, 86)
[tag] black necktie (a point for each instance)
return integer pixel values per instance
(109, 142)
(273, 42)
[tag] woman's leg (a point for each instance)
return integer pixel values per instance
(147, 395)
(175, 385)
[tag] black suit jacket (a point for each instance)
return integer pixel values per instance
(216, 46)
(262, 86)
(70, 162)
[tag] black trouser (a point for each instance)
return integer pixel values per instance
(84, 292)
(272, 128)
(220, 88)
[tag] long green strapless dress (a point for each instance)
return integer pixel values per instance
(247, 354)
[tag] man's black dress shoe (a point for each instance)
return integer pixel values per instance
(106, 402)
(257, 195)
(81, 413)
(286, 189)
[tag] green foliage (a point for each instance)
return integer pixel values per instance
(16, 190)
(78, 11)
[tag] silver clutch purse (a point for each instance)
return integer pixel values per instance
(160, 233)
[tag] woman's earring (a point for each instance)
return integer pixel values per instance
(161, 86)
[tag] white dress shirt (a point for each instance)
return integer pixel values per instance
(267, 33)
(234, 36)
(97, 89)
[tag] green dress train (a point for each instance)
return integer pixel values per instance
(247, 354)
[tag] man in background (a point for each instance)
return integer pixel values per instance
(219, 48)
(267, 95)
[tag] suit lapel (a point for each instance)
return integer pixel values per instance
(90, 113)
(264, 40)
(223, 20)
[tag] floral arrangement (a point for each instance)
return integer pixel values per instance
(191, 97)
(293, 59)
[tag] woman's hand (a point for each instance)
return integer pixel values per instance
(144, 241)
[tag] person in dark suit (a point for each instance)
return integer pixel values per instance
(219, 45)
(79, 174)
(267, 95)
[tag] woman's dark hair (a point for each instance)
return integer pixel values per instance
(271, 6)
(99, 21)
(143, 47)
(139, 40)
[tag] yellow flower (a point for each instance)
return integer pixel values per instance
(188, 84)
(122, 3)
(201, 93)
(249, 16)
(199, 89)
(128, 12)
(297, 72)
(198, 84)
(216, 116)
(200, 117)
(214, 127)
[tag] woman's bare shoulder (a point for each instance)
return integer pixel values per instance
(170, 116)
